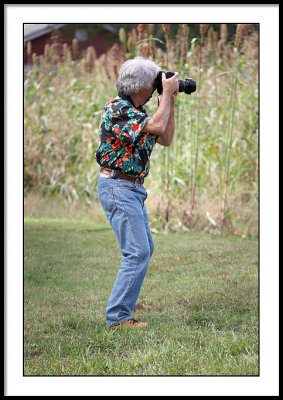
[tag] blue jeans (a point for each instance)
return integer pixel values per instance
(123, 205)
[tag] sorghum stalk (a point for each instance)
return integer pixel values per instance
(242, 30)
(232, 103)
(211, 32)
(166, 30)
(203, 29)
(123, 37)
(167, 185)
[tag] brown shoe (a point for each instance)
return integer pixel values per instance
(141, 307)
(130, 323)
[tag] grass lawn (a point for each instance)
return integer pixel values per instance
(204, 292)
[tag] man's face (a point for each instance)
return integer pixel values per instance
(147, 93)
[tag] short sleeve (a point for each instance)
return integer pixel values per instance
(128, 123)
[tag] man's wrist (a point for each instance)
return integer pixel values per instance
(167, 92)
(172, 102)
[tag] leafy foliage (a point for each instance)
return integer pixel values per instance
(213, 161)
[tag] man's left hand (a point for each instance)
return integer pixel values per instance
(174, 95)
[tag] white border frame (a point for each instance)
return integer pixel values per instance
(268, 381)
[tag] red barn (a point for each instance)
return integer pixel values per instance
(100, 36)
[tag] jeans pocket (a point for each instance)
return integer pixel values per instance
(124, 184)
(107, 200)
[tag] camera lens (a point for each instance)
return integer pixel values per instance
(188, 86)
(191, 86)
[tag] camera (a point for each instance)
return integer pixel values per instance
(187, 86)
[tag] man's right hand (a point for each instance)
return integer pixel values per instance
(170, 85)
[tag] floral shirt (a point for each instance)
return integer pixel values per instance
(122, 145)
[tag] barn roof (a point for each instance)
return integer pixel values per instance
(33, 31)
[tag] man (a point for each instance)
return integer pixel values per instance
(127, 137)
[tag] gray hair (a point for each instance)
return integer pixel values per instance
(135, 74)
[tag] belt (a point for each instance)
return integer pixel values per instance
(108, 171)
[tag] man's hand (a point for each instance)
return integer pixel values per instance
(173, 97)
(170, 85)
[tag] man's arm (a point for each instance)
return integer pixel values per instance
(157, 125)
(167, 138)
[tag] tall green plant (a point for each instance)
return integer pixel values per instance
(203, 29)
(241, 32)
(216, 147)
(63, 108)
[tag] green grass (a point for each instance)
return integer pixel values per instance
(204, 292)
